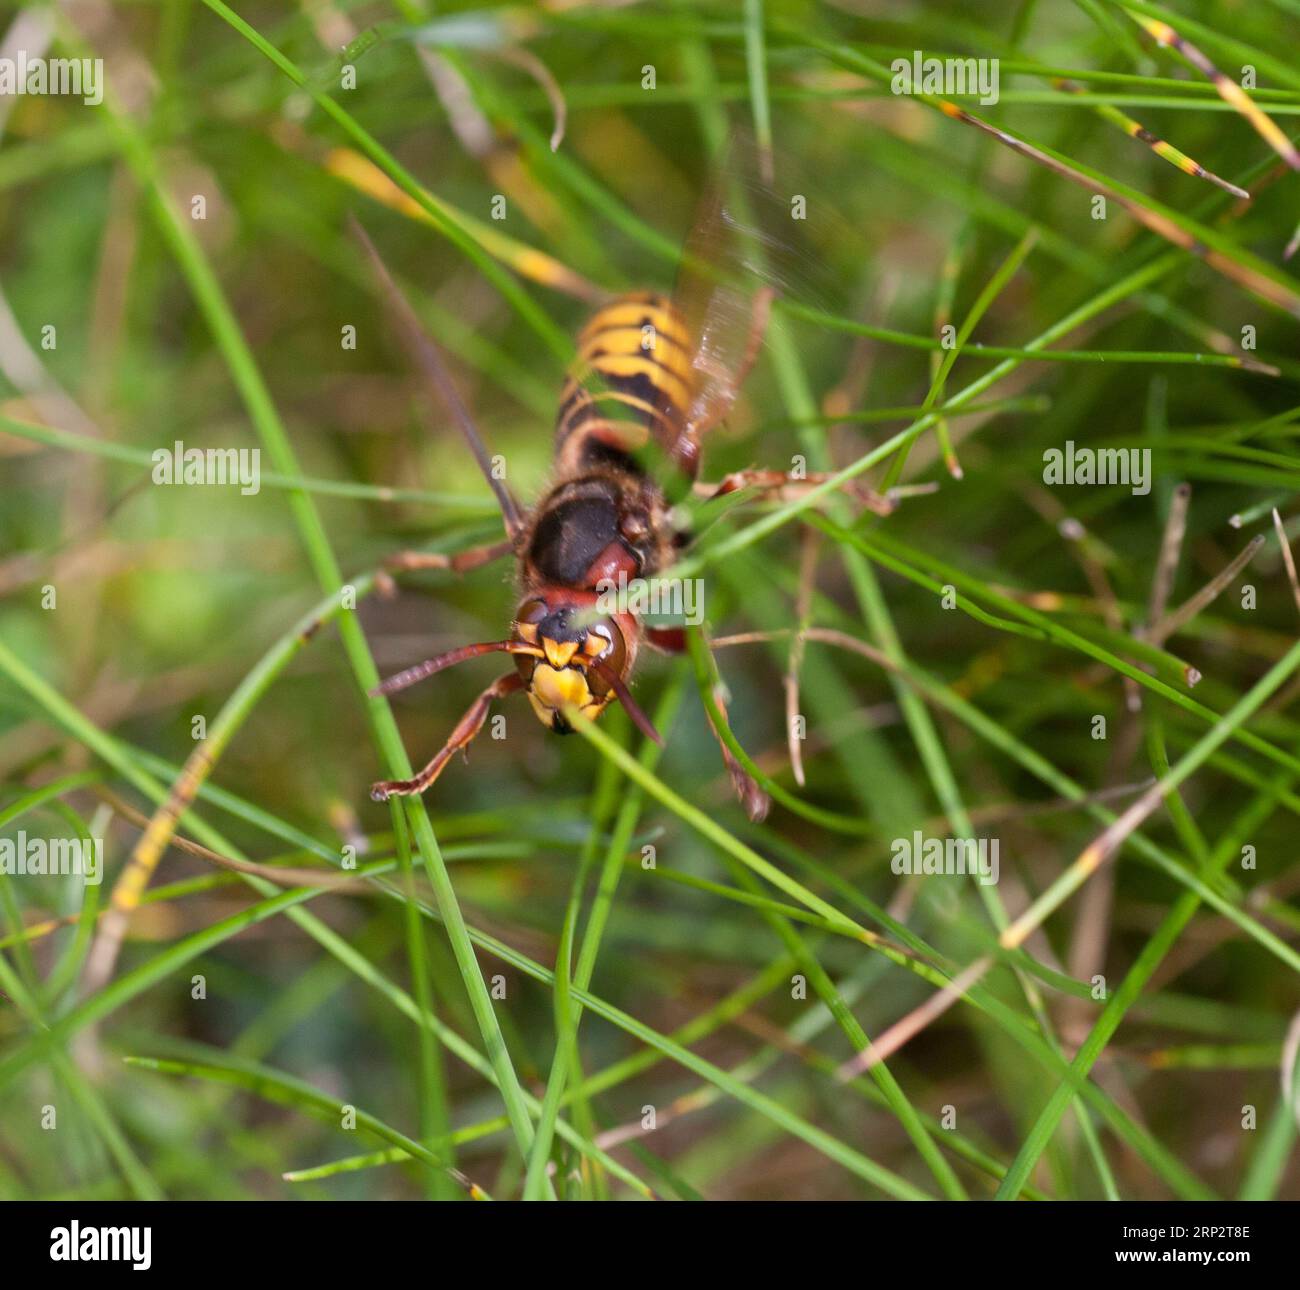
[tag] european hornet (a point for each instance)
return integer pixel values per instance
(652, 376)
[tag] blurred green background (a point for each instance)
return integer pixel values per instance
(226, 331)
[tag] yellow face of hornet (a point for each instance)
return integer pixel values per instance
(564, 674)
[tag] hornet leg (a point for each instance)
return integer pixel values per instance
(468, 726)
(756, 802)
(784, 485)
(471, 558)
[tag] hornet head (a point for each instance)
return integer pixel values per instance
(584, 656)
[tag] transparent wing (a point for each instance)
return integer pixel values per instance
(744, 249)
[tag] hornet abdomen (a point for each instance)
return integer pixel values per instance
(632, 378)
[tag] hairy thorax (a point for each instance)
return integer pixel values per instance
(598, 527)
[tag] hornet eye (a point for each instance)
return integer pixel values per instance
(527, 616)
(604, 643)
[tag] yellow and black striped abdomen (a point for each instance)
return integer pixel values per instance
(632, 378)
